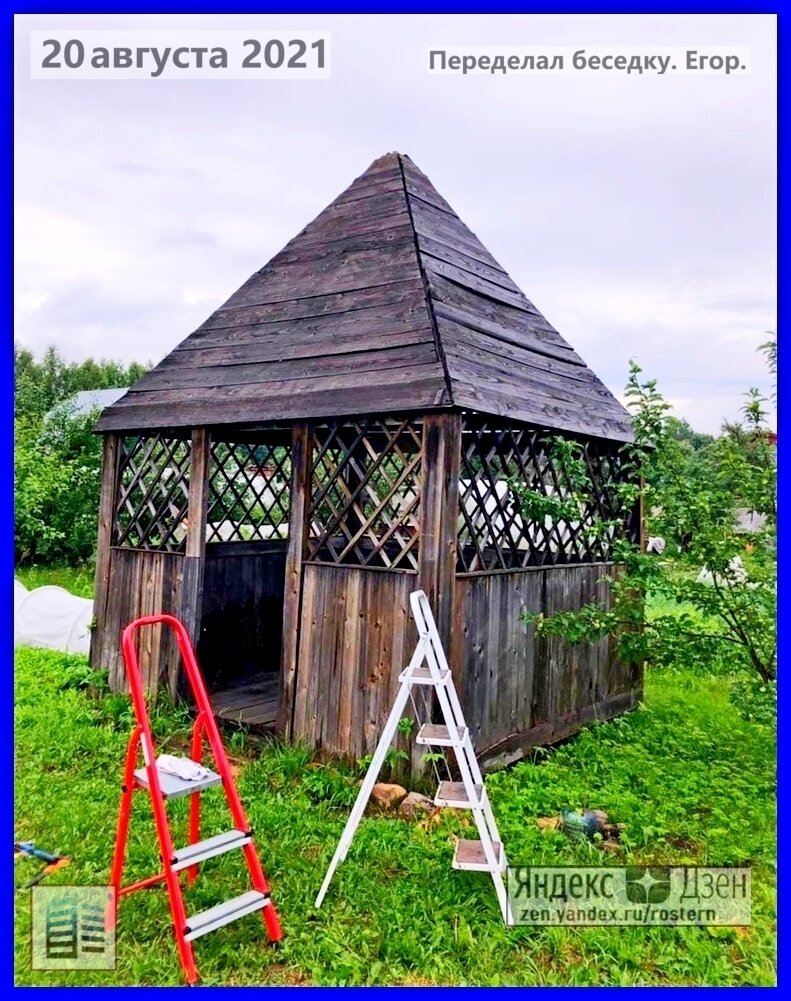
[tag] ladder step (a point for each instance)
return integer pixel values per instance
(172, 786)
(454, 794)
(439, 736)
(422, 676)
(470, 855)
(202, 850)
(222, 914)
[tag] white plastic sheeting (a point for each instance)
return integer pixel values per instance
(52, 617)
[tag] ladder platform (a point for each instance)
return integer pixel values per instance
(224, 913)
(423, 676)
(438, 735)
(454, 794)
(209, 848)
(470, 855)
(172, 786)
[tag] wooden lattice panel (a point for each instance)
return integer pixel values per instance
(249, 492)
(494, 531)
(152, 491)
(365, 493)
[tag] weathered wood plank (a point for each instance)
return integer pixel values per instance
(417, 184)
(198, 492)
(101, 589)
(195, 544)
(439, 225)
(242, 373)
(308, 627)
(498, 319)
(438, 515)
(441, 251)
(337, 304)
(503, 356)
(341, 723)
(352, 634)
(515, 683)
(231, 394)
(495, 376)
(142, 583)
(383, 184)
(357, 212)
(376, 395)
(516, 746)
(361, 330)
(299, 525)
(339, 243)
(479, 285)
(364, 223)
(549, 414)
(329, 275)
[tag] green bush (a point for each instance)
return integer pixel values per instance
(714, 588)
(57, 458)
(57, 470)
(755, 699)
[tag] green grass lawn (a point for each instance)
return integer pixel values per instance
(78, 580)
(691, 780)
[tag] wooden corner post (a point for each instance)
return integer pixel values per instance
(191, 603)
(298, 528)
(110, 460)
(439, 507)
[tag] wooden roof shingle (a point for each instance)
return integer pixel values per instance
(385, 302)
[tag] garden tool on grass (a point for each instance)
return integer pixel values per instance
(27, 849)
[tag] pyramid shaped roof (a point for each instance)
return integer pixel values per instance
(386, 302)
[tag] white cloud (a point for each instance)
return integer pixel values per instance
(638, 213)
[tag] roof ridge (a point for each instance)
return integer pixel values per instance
(426, 286)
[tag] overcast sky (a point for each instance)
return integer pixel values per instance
(637, 212)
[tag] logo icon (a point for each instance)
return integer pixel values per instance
(73, 927)
(647, 884)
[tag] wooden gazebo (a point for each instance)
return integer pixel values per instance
(347, 427)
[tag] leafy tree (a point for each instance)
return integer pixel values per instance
(682, 431)
(57, 474)
(57, 458)
(715, 587)
(39, 385)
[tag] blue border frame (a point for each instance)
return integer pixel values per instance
(6, 377)
(783, 535)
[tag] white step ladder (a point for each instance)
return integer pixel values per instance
(429, 667)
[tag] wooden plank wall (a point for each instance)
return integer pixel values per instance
(140, 583)
(356, 635)
(518, 690)
(242, 624)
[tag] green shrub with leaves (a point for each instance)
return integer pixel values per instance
(713, 588)
(57, 458)
(57, 469)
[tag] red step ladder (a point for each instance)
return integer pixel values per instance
(162, 786)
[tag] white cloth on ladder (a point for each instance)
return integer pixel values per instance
(183, 768)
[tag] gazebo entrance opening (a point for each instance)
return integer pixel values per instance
(247, 525)
(242, 482)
